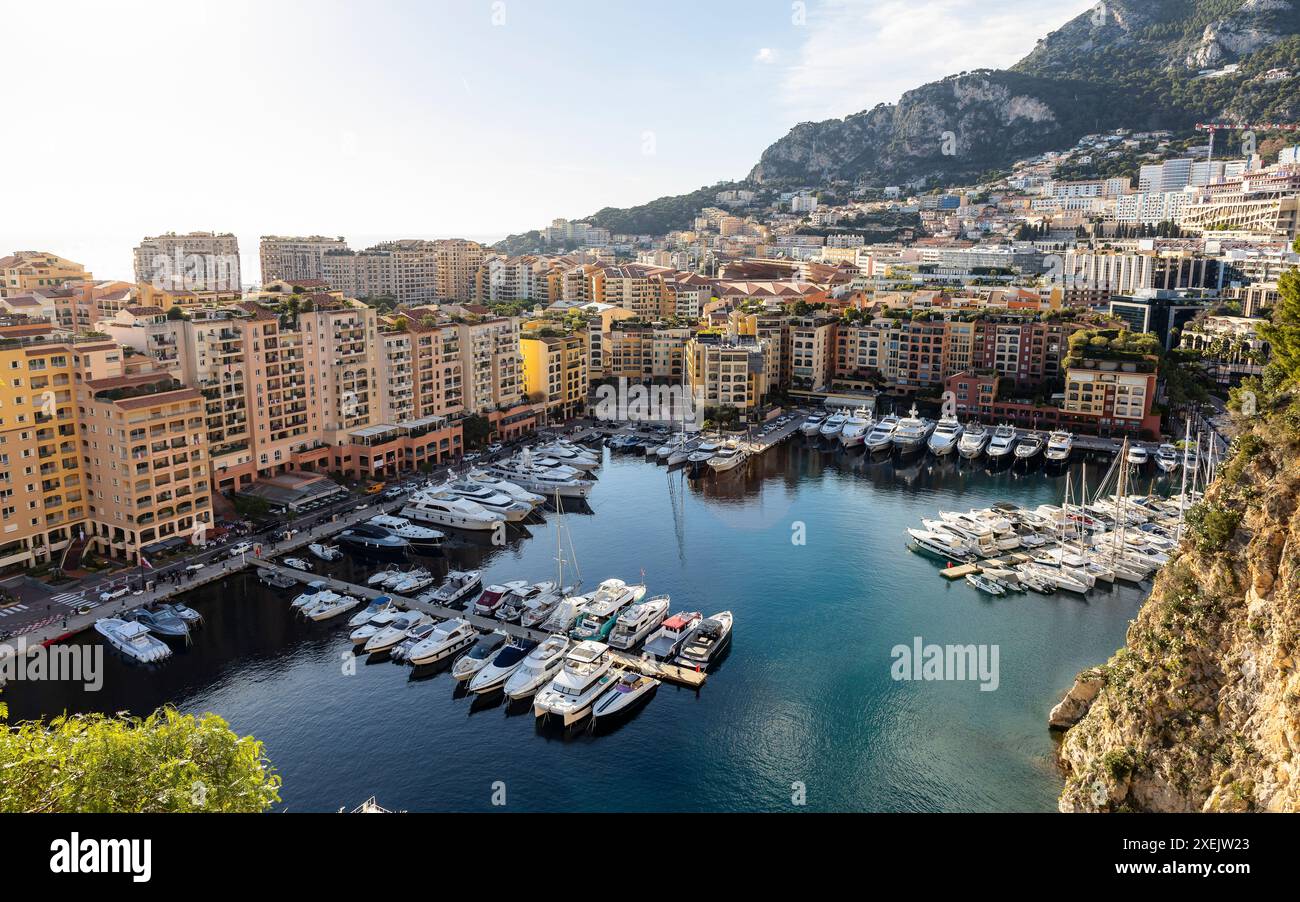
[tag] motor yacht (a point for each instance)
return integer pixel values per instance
(274, 579)
(833, 425)
(325, 552)
(601, 612)
(495, 674)
(943, 545)
(1167, 458)
(483, 650)
(447, 639)
(514, 605)
(439, 508)
(416, 581)
(1059, 445)
(911, 433)
(380, 620)
(132, 639)
(579, 459)
(856, 427)
(668, 448)
(565, 614)
(455, 589)
(422, 537)
(584, 677)
(637, 621)
(974, 439)
(1002, 442)
(414, 636)
(706, 642)
(494, 596)
(813, 425)
(546, 482)
(698, 459)
(309, 593)
(628, 691)
(1138, 455)
(506, 487)
(730, 456)
(1028, 447)
(489, 499)
(167, 626)
(296, 563)
(537, 607)
(666, 641)
(330, 608)
(538, 668)
(380, 605)
(986, 584)
(191, 617)
(384, 639)
(379, 577)
(682, 452)
(881, 436)
(947, 433)
(373, 540)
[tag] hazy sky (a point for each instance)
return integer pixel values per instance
(441, 117)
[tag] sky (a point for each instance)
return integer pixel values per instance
(433, 118)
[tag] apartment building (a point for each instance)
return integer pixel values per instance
(641, 352)
(406, 271)
(490, 364)
(555, 373)
(812, 352)
(727, 371)
(198, 261)
(26, 271)
(144, 445)
(635, 287)
(295, 259)
(1092, 278)
(1258, 204)
(457, 263)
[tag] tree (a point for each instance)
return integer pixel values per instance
(475, 430)
(1283, 333)
(167, 762)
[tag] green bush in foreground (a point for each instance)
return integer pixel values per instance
(166, 762)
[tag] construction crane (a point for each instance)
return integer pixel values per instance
(1213, 127)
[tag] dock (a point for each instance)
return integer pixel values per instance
(682, 676)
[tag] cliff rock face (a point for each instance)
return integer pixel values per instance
(1200, 711)
(1254, 26)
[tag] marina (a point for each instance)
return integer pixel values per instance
(264, 667)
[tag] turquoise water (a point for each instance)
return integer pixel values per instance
(805, 695)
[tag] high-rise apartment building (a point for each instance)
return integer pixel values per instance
(295, 259)
(198, 261)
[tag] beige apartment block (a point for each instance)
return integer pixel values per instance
(295, 259)
(25, 271)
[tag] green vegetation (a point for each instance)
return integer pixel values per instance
(475, 431)
(166, 762)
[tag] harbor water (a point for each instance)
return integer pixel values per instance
(806, 547)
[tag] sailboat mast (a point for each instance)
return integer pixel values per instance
(1182, 491)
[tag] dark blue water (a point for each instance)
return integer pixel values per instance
(804, 696)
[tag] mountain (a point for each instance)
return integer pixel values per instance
(1124, 63)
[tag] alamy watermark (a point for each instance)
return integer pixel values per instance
(638, 403)
(41, 663)
(195, 272)
(947, 663)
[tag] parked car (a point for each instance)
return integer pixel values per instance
(240, 548)
(113, 593)
(375, 488)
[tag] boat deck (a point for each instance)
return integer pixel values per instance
(672, 673)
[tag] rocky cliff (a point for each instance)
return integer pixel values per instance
(1200, 711)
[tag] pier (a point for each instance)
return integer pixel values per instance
(682, 676)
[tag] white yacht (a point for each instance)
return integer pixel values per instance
(494, 596)
(1137, 455)
(380, 620)
(1059, 445)
(505, 487)
(1167, 458)
(629, 689)
(319, 599)
(385, 638)
(445, 509)
(327, 610)
(132, 638)
(947, 433)
(489, 499)
(448, 638)
(579, 459)
(584, 677)
(1003, 440)
(974, 439)
(601, 612)
(674, 443)
(414, 582)
(545, 481)
(1028, 446)
(707, 641)
(538, 668)
(379, 577)
(418, 536)
(942, 544)
(729, 456)
(325, 552)
(881, 436)
(856, 427)
(296, 563)
(912, 432)
(565, 614)
(637, 621)
(503, 665)
(312, 589)
(537, 607)
(703, 453)
(813, 425)
(455, 589)
(380, 605)
(484, 650)
(834, 424)
(526, 598)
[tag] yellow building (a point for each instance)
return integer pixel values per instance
(555, 373)
(727, 371)
(25, 271)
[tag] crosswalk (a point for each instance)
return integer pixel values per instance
(75, 600)
(12, 609)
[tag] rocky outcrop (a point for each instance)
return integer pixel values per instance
(1200, 711)
(1255, 25)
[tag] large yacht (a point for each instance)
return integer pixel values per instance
(538, 668)
(374, 540)
(1003, 440)
(1029, 446)
(545, 481)
(585, 675)
(505, 487)
(706, 642)
(570, 455)
(881, 436)
(1059, 445)
(1167, 458)
(489, 499)
(974, 439)
(602, 610)
(834, 424)
(813, 425)
(947, 433)
(637, 621)
(729, 456)
(912, 431)
(445, 509)
(449, 638)
(856, 428)
(419, 536)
